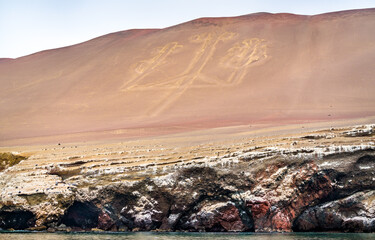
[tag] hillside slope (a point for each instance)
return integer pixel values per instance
(207, 72)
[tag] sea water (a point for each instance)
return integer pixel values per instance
(184, 236)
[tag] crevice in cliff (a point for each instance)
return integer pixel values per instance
(358, 178)
(18, 219)
(350, 214)
(366, 159)
(82, 215)
(245, 215)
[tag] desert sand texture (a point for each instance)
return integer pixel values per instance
(208, 73)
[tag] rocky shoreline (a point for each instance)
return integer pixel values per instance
(321, 181)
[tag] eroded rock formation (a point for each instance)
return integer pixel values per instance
(268, 184)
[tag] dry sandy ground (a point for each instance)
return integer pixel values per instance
(174, 149)
(181, 135)
(208, 73)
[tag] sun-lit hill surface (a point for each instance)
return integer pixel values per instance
(208, 72)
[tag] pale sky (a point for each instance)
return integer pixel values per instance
(28, 26)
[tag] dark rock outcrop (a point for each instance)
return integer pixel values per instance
(82, 215)
(352, 214)
(17, 219)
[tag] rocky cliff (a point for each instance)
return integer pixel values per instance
(317, 181)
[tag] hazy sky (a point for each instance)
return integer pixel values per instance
(28, 26)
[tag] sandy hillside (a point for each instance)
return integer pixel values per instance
(205, 73)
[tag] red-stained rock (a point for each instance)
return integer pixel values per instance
(259, 208)
(216, 217)
(230, 219)
(281, 222)
(105, 222)
(305, 187)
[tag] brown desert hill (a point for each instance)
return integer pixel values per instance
(208, 72)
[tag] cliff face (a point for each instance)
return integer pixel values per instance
(318, 181)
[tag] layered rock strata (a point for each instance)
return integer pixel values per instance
(318, 181)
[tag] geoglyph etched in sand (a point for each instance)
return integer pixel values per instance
(241, 55)
(147, 66)
(238, 58)
(160, 54)
(245, 53)
(186, 79)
